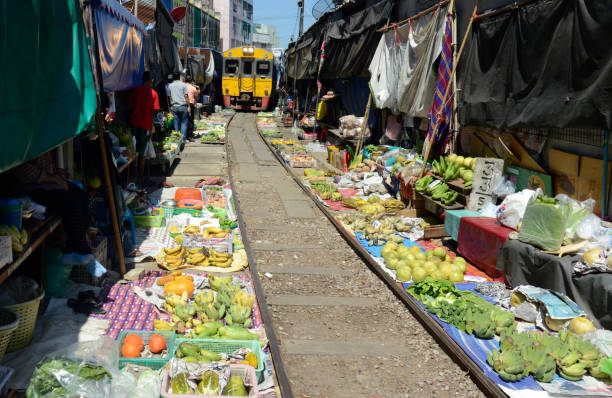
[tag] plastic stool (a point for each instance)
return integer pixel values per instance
(129, 217)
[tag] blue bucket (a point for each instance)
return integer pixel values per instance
(10, 212)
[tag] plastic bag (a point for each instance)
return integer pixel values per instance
(511, 211)
(86, 369)
(588, 227)
(150, 150)
(504, 187)
(544, 223)
(578, 212)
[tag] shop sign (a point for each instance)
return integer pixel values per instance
(486, 172)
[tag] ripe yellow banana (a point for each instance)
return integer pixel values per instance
(173, 250)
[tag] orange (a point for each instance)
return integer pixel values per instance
(134, 339)
(157, 344)
(131, 350)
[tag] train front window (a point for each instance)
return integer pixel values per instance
(263, 68)
(247, 67)
(231, 66)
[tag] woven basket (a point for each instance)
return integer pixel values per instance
(8, 323)
(27, 313)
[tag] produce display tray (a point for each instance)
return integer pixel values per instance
(436, 207)
(457, 185)
(153, 363)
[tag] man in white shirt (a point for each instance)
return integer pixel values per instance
(178, 100)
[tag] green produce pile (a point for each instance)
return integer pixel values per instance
(225, 222)
(440, 192)
(208, 385)
(521, 353)
(452, 167)
(544, 223)
(326, 191)
(44, 382)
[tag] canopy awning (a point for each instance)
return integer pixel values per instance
(120, 43)
(47, 93)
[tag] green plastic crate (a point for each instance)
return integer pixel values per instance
(148, 221)
(153, 363)
(228, 347)
(181, 210)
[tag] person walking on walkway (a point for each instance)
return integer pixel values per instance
(144, 102)
(193, 92)
(178, 99)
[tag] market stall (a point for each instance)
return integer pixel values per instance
(392, 240)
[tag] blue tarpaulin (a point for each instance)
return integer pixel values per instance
(120, 42)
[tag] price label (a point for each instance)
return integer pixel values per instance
(433, 184)
(376, 224)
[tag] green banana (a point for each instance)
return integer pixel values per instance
(187, 350)
(209, 355)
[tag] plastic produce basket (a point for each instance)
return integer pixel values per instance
(8, 323)
(27, 313)
(153, 363)
(183, 210)
(229, 347)
(148, 221)
(245, 371)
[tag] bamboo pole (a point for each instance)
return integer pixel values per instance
(455, 63)
(99, 123)
(110, 192)
(416, 16)
(363, 125)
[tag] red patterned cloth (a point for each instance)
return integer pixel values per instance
(480, 239)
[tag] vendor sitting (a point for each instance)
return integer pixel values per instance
(48, 185)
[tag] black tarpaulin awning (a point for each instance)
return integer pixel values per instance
(545, 64)
(352, 40)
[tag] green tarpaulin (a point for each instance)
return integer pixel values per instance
(47, 93)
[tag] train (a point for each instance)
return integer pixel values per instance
(249, 76)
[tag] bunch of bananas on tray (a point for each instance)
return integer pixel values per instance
(172, 258)
(197, 257)
(215, 232)
(192, 230)
(393, 205)
(221, 260)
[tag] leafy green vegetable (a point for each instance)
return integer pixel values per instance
(432, 288)
(44, 383)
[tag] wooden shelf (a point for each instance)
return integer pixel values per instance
(38, 234)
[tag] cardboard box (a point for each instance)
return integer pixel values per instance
(563, 163)
(592, 168)
(588, 188)
(529, 179)
(565, 184)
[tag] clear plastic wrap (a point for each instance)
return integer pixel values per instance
(87, 369)
(578, 212)
(544, 223)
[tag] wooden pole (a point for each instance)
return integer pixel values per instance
(363, 125)
(455, 63)
(455, 113)
(99, 123)
(110, 192)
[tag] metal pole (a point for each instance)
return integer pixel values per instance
(136, 8)
(295, 96)
(186, 33)
(604, 204)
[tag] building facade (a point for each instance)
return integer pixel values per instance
(264, 36)
(204, 24)
(236, 18)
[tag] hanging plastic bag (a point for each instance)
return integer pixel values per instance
(511, 211)
(544, 223)
(150, 151)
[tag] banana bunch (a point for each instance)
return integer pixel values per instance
(539, 364)
(243, 299)
(393, 205)
(503, 320)
(203, 298)
(509, 364)
(174, 300)
(480, 324)
(175, 257)
(215, 232)
(212, 312)
(239, 315)
(165, 326)
(221, 260)
(192, 230)
(226, 294)
(197, 257)
(184, 313)
(19, 239)
(216, 281)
